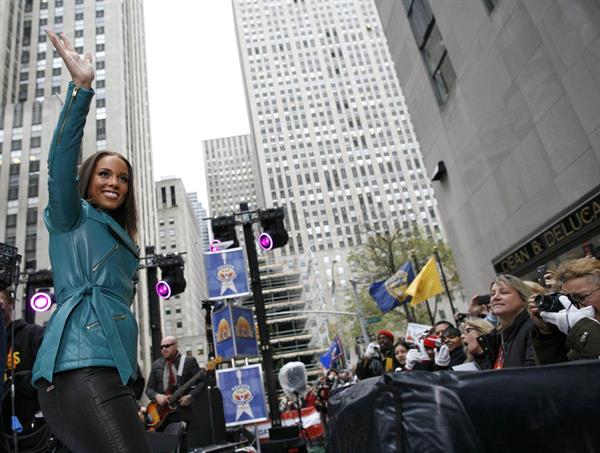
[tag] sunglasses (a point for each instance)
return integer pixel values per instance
(165, 346)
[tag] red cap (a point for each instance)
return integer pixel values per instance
(387, 333)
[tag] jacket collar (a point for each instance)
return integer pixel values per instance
(512, 330)
(113, 226)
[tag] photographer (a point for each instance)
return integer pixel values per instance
(567, 324)
(379, 357)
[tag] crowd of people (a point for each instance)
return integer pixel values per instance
(520, 324)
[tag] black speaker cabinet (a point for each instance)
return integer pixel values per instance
(208, 422)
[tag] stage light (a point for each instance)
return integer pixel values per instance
(163, 289)
(172, 280)
(223, 229)
(214, 245)
(41, 301)
(265, 241)
(274, 234)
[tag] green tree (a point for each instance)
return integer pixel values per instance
(380, 257)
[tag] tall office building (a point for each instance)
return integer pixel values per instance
(506, 94)
(33, 83)
(334, 142)
(179, 232)
(201, 214)
(229, 174)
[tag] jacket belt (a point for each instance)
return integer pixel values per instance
(74, 297)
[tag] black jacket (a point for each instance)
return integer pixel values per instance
(155, 380)
(583, 342)
(518, 349)
(376, 366)
(21, 355)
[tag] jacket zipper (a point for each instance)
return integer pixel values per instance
(105, 258)
(115, 317)
(62, 126)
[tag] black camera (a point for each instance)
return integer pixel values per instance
(549, 302)
(483, 299)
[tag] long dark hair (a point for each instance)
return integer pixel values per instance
(126, 214)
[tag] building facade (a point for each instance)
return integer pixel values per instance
(506, 94)
(229, 173)
(179, 232)
(33, 82)
(201, 216)
(334, 142)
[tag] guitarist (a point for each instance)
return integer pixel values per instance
(167, 374)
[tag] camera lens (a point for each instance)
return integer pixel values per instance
(548, 302)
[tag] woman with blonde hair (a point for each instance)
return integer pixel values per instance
(510, 344)
(472, 329)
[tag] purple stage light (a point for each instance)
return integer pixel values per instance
(163, 289)
(40, 301)
(265, 241)
(215, 245)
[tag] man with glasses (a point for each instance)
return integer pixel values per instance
(574, 332)
(168, 374)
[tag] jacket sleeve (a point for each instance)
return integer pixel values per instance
(549, 348)
(64, 206)
(584, 340)
(151, 387)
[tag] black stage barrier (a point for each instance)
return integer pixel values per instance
(553, 408)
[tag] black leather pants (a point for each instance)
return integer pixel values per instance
(91, 411)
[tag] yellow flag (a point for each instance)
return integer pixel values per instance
(426, 284)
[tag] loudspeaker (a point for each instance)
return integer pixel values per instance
(208, 422)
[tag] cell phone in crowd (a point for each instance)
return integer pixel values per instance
(483, 299)
(541, 271)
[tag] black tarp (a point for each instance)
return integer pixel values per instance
(553, 408)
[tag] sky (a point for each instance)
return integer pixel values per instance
(195, 84)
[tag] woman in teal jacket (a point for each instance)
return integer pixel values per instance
(89, 351)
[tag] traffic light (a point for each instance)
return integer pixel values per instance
(273, 233)
(172, 280)
(223, 229)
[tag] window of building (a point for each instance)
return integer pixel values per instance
(430, 42)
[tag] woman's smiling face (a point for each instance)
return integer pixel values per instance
(109, 183)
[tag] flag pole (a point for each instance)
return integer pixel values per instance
(417, 269)
(439, 261)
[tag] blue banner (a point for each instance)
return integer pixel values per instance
(226, 274)
(234, 332)
(223, 333)
(391, 293)
(243, 395)
(244, 332)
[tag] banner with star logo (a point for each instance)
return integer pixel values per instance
(226, 274)
(243, 394)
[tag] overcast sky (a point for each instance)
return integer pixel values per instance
(195, 84)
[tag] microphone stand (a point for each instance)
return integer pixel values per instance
(301, 428)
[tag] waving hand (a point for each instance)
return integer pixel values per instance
(80, 67)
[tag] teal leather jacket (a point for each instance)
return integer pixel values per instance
(94, 262)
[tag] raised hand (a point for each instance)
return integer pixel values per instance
(80, 67)
(567, 318)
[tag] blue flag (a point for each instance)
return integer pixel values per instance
(391, 293)
(331, 357)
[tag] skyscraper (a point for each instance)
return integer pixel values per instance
(334, 142)
(229, 174)
(201, 214)
(179, 231)
(33, 82)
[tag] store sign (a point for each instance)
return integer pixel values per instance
(573, 225)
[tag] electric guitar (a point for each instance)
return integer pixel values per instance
(156, 414)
